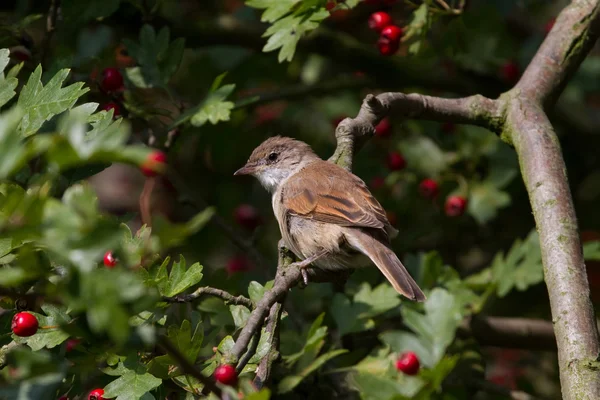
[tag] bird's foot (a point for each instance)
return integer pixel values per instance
(302, 265)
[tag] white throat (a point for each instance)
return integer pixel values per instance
(274, 177)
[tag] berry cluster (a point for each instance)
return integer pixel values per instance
(389, 33)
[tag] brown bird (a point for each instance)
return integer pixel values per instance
(327, 215)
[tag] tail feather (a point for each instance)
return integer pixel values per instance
(388, 263)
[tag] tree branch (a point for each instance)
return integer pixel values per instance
(352, 133)
(544, 173)
(210, 291)
(263, 372)
(517, 333)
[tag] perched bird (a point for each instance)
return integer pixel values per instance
(327, 215)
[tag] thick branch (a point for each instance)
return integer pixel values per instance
(518, 333)
(544, 173)
(210, 291)
(574, 33)
(352, 133)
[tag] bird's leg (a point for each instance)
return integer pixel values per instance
(305, 263)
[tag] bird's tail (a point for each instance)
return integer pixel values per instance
(388, 263)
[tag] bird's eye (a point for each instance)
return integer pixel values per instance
(273, 156)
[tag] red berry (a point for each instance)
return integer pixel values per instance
(96, 394)
(71, 344)
(549, 25)
(63, 398)
(392, 33)
(377, 183)
(396, 161)
(379, 20)
(428, 188)
(226, 374)
(24, 324)
(154, 164)
(20, 53)
(112, 80)
(247, 216)
(509, 72)
(408, 363)
(384, 128)
(110, 261)
(113, 106)
(237, 264)
(448, 127)
(455, 206)
(387, 48)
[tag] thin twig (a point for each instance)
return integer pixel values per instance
(210, 291)
(186, 366)
(250, 353)
(263, 372)
(50, 28)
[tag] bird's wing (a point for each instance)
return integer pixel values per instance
(328, 193)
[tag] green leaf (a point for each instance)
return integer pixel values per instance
(256, 291)
(274, 9)
(357, 315)
(591, 251)
(264, 394)
(172, 234)
(520, 268)
(187, 342)
(180, 278)
(424, 155)
(40, 103)
(436, 328)
(158, 59)
(401, 341)
(47, 337)
(374, 387)
(288, 383)
(214, 108)
(132, 384)
(418, 27)
(286, 32)
(7, 83)
(77, 13)
(485, 200)
(240, 315)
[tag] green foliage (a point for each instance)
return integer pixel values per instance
(520, 268)
(8, 82)
(179, 279)
(133, 383)
(291, 20)
(157, 56)
(40, 103)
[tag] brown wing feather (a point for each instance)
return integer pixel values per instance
(330, 200)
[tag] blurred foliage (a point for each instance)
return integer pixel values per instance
(197, 87)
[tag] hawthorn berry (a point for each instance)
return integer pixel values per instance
(112, 106)
(247, 216)
(71, 344)
(392, 33)
(379, 20)
(455, 206)
(24, 324)
(336, 14)
(154, 164)
(396, 161)
(63, 398)
(428, 188)
(20, 53)
(387, 48)
(110, 261)
(384, 128)
(408, 363)
(96, 394)
(509, 72)
(237, 264)
(112, 80)
(226, 374)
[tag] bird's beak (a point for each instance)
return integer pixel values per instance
(247, 169)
